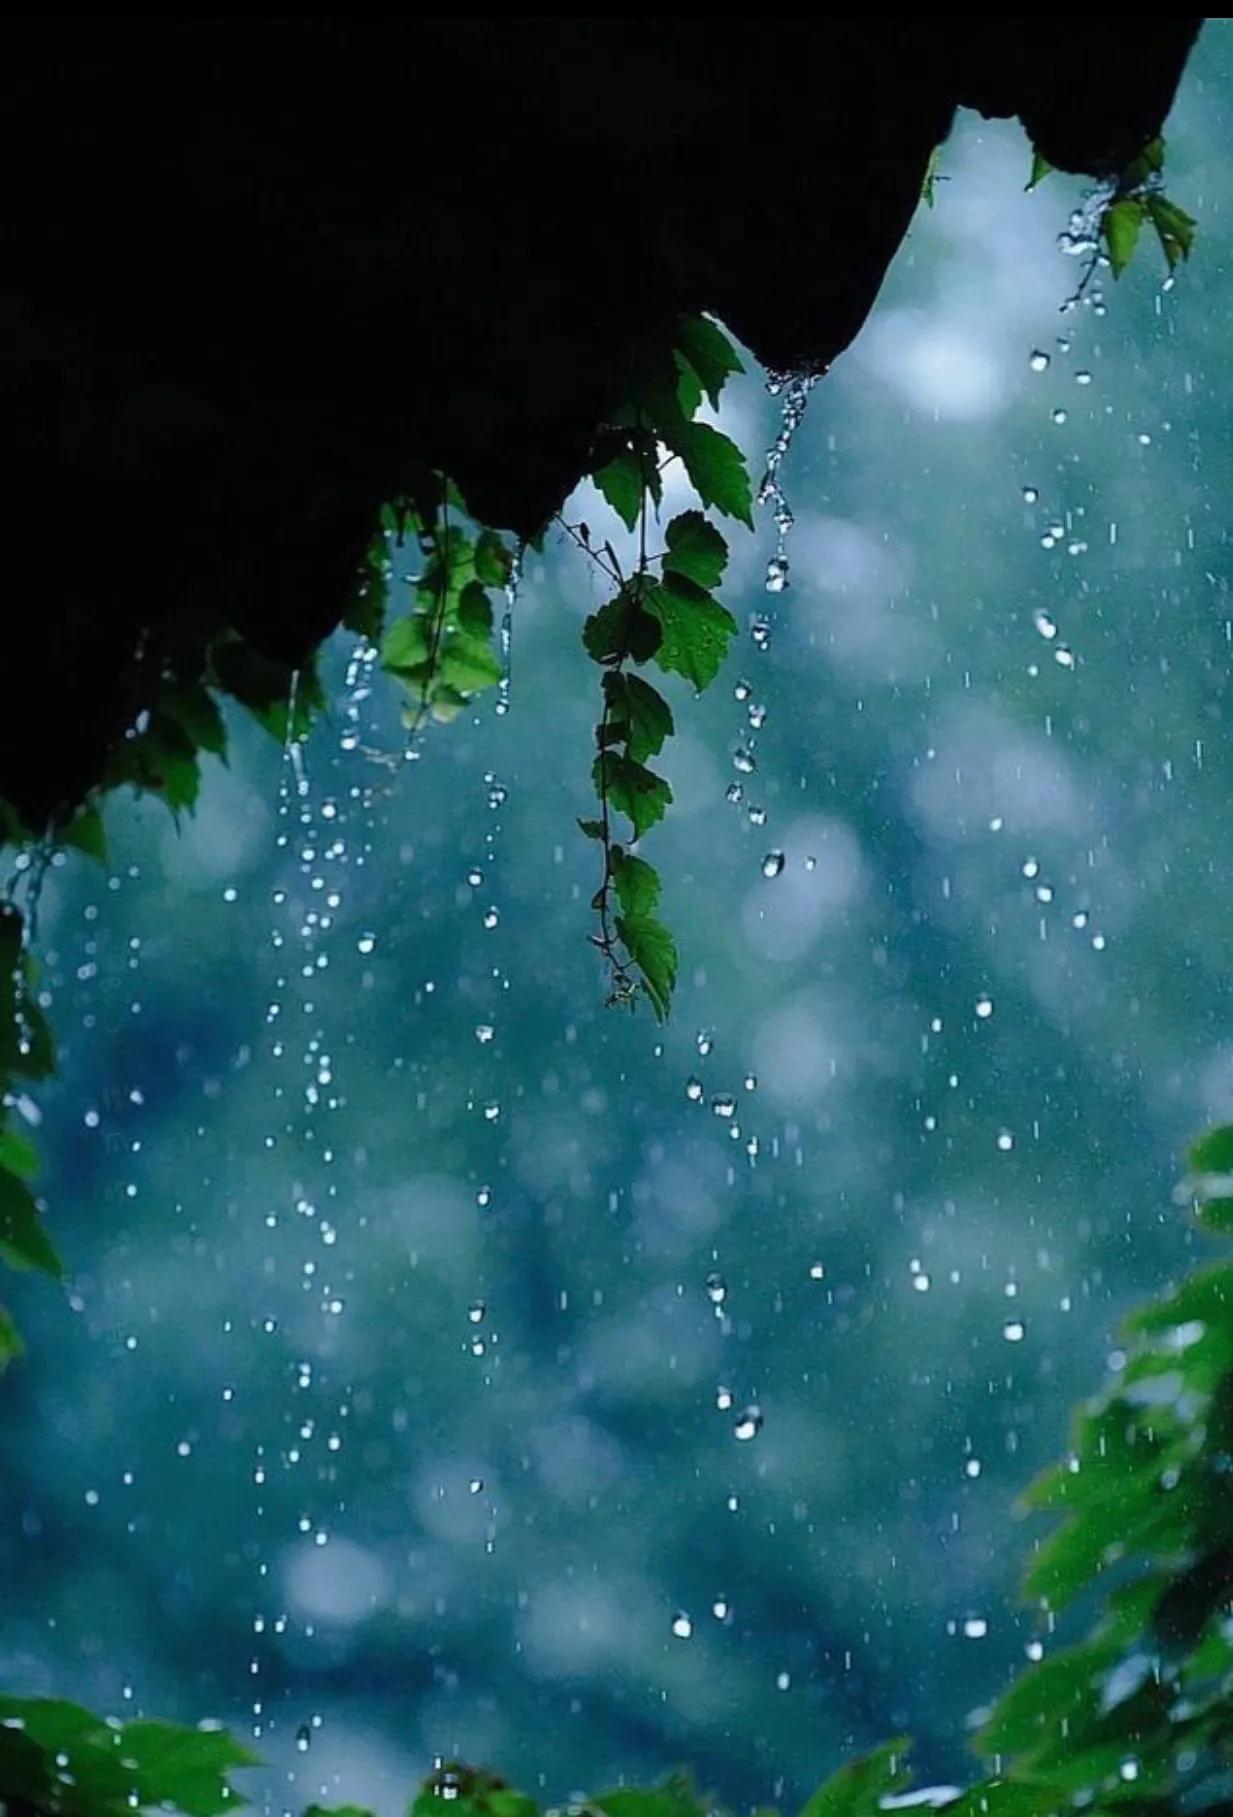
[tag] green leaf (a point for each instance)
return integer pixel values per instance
(696, 549)
(1148, 164)
(1175, 229)
(653, 951)
(475, 610)
(1048, 1697)
(405, 644)
(631, 789)
(641, 715)
(637, 883)
(1213, 1152)
(594, 829)
(621, 481)
(468, 663)
(11, 1347)
(1123, 223)
(17, 1154)
(857, 1789)
(23, 1241)
(195, 711)
(709, 352)
(187, 1768)
(493, 561)
(85, 833)
(337, 1810)
(697, 630)
(623, 628)
(267, 687)
(1041, 168)
(716, 468)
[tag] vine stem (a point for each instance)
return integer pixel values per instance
(438, 623)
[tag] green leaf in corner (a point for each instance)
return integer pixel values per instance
(709, 351)
(857, 1790)
(653, 951)
(1041, 168)
(17, 1155)
(85, 833)
(11, 1346)
(1123, 223)
(1213, 1152)
(23, 1241)
(697, 630)
(631, 789)
(186, 1768)
(696, 549)
(716, 468)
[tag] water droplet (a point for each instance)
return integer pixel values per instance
(1034, 1650)
(1039, 360)
(1064, 656)
(693, 1090)
(723, 1105)
(760, 633)
(1031, 495)
(366, 943)
(716, 1289)
(723, 1398)
(776, 574)
(303, 1738)
(1005, 1141)
(734, 793)
(772, 864)
(477, 1311)
(682, 1626)
(748, 1424)
(984, 1007)
(1057, 416)
(704, 1041)
(975, 1627)
(817, 1271)
(744, 761)
(1083, 378)
(1014, 1331)
(721, 1608)
(972, 1467)
(783, 1681)
(921, 1282)
(1044, 624)
(484, 1031)
(476, 1485)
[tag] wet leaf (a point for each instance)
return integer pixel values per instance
(697, 630)
(632, 790)
(695, 550)
(1122, 225)
(709, 352)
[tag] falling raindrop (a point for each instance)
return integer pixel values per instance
(984, 1007)
(716, 1289)
(772, 864)
(1038, 360)
(723, 1105)
(1014, 1331)
(975, 1627)
(682, 1626)
(748, 1423)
